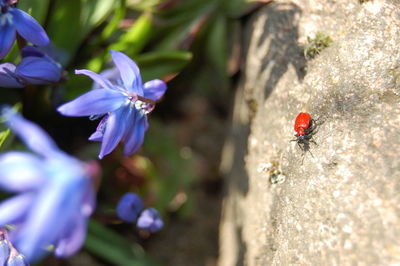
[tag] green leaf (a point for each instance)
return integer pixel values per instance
(235, 8)
(133, 41)
(217, 45)
(37, 8)
(143, 4)
(111, 247)
(162, 63)
(70, 23)
(3, 136)
(113, 25)
(130, 43)
(65, 25)
(94, 12)
(183, 22)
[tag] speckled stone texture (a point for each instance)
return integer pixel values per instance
(340, 206)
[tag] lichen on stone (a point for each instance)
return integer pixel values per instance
(316, 45)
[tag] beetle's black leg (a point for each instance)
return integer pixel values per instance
(312, 155)
(313, 141)
(301, 148)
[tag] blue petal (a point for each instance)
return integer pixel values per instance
(31, 134)
(4, 251)
(115, 130)
(135, 134)
(30, 50)
(150, 220)
(73, 240)
(96, 136)
(154, 89)
(20, 171)
(129, 207)
(17, 260)
(88, 201)
(7, 38)
(13, 210)
(99, 101)
(28, 27)
(112, 75)
(53, 210)
(38, 70)
(129, 71)
(8, 78)
(103, 82)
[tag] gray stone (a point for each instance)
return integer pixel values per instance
(339, 205)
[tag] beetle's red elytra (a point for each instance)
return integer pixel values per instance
(304, 126)
(302, 123)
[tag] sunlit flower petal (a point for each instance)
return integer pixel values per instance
(28, 27)
(154, 89)
(93, 102)
(129, 71)
(32, 135)
(124, 102)
(114, 131)
(7, 38)
(73, 239)
(104, 83)
(135, 134)
(53, 211)
(20, 172)
(13, 210)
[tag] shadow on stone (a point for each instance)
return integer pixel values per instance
(281, 30)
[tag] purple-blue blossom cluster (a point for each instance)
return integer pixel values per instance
(53, 194)
(42, 210)
(123, 101)
(130, 209)
(36, 67)
(13, 21)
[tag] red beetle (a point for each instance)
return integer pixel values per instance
(304, 126)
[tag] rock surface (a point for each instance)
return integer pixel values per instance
(339, 205)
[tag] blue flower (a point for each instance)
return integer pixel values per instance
(8, 78)
(13, 20)
(150, 221)
(124, 103)
(35, 68)
(4, 247)
(53, 197)
(9, 256)
(129, 207)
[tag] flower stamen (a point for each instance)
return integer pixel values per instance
(142, 104)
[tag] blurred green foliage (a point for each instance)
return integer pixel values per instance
(3, 135)
(111, 247)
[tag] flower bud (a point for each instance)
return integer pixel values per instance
(149, 220)
(129, 207)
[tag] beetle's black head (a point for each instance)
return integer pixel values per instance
(301, 138)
